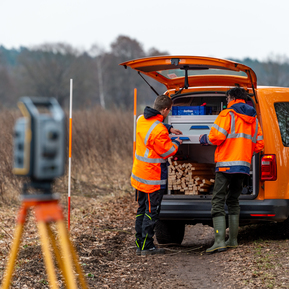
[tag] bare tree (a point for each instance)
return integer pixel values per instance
(119, 83)
(276, 70)
(48, 68)
(97, 52)
(7, 91)
(155, 52)
(125, 48)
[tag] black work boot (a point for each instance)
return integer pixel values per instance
(220, 233)
(138, 251)
(138, 246)
(152, 251)
(232, 242)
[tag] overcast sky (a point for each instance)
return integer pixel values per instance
(218, 28)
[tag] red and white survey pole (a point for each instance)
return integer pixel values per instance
(70, 146)
(134, 121)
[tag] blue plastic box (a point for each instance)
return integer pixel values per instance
(191, 110)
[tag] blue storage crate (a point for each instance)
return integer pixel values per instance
(191, 110)
(175, 110)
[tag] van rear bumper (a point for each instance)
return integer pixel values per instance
(194, 211)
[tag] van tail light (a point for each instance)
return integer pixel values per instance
(268, 168)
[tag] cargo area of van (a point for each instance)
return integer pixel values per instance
(192, 170)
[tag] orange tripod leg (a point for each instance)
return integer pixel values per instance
(13, 256)
(57, 253)
(65, 248)
(44, 237)
(48, 212)
(15, 247)
(77, 266)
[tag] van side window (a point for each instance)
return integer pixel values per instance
(282, 112)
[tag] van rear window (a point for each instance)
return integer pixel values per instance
(282, 112)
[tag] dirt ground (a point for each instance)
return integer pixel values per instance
(102, 230)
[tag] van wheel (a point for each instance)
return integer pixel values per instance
(285, 227)
(170, 232)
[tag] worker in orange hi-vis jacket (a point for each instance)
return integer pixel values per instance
(237, 135)
(149, 172)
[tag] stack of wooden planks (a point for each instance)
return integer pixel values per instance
(190, 178)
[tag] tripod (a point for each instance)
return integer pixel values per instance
(47, 212)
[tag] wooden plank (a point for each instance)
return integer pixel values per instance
(186, 177)
(204, 173)
(204, 186)
(207, 182)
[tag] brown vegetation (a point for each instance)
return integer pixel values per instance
(102, 138)
(9, 183)
(101, 152)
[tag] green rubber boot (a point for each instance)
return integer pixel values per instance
(232, 242)
(220, 233)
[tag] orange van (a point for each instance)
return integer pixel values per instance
(197, 86)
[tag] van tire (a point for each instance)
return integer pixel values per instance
(170, 232)
(285, 228)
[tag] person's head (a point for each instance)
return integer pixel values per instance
(163, 104)
(236, 93)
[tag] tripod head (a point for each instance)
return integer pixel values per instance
(39, 143)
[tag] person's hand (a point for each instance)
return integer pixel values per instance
(204, 142)
(179, 140)
(175, 131)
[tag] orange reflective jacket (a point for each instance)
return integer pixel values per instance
(237, 134)
(153, 147)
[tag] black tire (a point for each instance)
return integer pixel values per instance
(168, 232)
(285, 228)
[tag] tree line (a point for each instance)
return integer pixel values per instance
(46, 69)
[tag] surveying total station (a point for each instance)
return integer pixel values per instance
(39, 139)
(39, 153)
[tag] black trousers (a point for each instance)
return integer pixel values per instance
(147, 217)
(227, 188)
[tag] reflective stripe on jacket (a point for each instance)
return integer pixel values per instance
(237, 134)
(153, 147)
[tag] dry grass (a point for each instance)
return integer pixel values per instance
(9, 184)
(101, 138)
(101, 153)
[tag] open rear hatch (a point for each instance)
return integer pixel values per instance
(178, 72)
